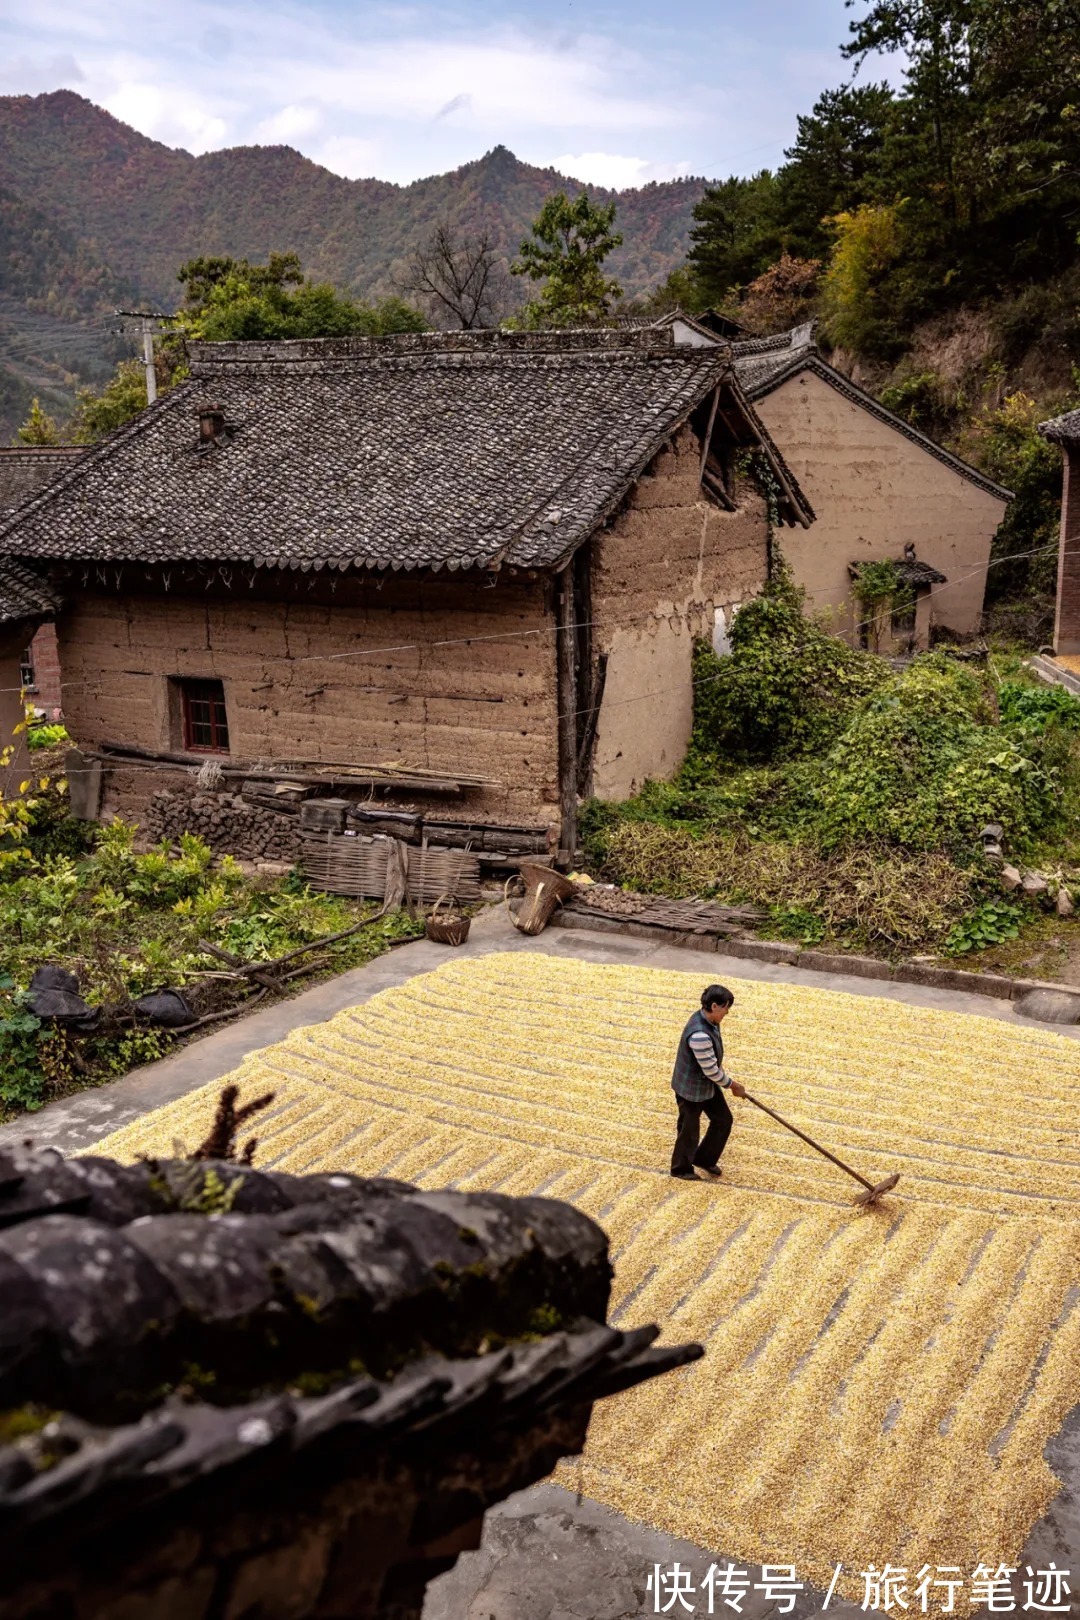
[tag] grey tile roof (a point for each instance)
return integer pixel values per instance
(427, 451)
(763, 364)
(24, 594)
(1062, 429)
(23, 472)
(26, 469)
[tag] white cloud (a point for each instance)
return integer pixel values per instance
(404, 90)
(176, 119)
(289, 124)
(350, 155)
(615, 171)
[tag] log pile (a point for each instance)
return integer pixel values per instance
(227, 823)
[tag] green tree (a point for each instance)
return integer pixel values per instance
(736, 236)
(840, 159)
(232, 300)
(100, 412)
(569, 243)
(39, 428)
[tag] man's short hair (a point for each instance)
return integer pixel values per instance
(716, 995)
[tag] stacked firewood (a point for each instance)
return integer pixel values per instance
(225, 821)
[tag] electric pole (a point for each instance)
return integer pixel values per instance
(148, 322)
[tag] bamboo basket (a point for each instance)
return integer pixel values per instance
(545, 889)
(449, 927)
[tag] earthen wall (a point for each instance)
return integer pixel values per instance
(874, 491)
(13, 640)
(445, 675)
(660, 574)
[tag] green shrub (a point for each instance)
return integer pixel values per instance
(1032, 710)
(45, 736)
(922, 766)
(787, 687)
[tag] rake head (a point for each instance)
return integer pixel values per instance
(874, 1193)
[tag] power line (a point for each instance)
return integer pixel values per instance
(549, 629)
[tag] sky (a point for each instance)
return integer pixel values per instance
(614, 95)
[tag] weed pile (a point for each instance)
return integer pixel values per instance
(848, 797)
(127, 924)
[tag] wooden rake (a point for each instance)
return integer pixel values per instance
(872, 1191)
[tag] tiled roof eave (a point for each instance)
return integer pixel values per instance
(811, 360)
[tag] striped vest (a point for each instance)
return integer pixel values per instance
(688, 1081)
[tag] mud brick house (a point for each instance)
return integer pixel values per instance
(377, 1368)
(480, 555)
(1065, 431)
(880, 489)
(24, 471)
(26, 602)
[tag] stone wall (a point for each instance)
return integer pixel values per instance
(875, 491)
(660, 575)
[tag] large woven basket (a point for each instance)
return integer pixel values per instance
(445, 924)
(545, 890)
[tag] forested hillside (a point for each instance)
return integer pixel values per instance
(93, 213)
(932, 231)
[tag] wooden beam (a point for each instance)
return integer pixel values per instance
(708, 432)
(566, 660)
(591, 718)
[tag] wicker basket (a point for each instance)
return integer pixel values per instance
(545, 890)
(449, 927)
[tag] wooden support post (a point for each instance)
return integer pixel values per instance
(566, 659)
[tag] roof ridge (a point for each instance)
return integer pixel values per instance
(811, 358)
(570, 340)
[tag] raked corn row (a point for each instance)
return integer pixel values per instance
(878, 1385)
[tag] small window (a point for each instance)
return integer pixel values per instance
(202, 707)
(26, 671)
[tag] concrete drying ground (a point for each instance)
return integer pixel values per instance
(546, 1555)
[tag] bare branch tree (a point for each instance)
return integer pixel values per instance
(462, 279)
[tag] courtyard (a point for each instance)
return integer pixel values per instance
(878, 1385)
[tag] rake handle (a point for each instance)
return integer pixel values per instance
(809, 1140)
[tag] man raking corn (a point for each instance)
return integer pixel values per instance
(699, 1082)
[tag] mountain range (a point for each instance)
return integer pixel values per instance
(93, 214)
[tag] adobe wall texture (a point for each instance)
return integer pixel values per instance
(447, 675)
(13, 639)
(1067, 618)
(45, 658)
(660, 573)
(874, 491)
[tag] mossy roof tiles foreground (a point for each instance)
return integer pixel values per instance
(442, 451)
(109, 1281)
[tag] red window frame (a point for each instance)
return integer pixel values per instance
(205, 723)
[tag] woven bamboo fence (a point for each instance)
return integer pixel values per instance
(342, 864)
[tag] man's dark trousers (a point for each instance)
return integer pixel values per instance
(687, 1153)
